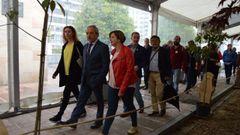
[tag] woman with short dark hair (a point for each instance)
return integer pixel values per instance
(122, 79)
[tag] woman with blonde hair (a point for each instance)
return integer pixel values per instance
(69, 68)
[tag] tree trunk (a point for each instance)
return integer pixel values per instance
(41, 75)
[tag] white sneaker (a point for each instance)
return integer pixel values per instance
(133, 130)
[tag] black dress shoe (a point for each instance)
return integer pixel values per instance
(96, 125)
(70, 121)
(163, 112)
(55, 118)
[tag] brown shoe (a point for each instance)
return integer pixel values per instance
(132, 130)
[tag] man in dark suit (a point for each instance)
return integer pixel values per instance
(139, 53)
(159, 70)
(140, 60)
(95, 67)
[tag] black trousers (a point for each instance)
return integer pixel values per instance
(69, 87)
(228, 71)
(146, 75)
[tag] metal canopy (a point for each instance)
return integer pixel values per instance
(190, 12)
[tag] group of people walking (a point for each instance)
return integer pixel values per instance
(230, 59)
(88, 66)
(90, 73)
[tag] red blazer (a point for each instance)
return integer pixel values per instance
(123, 68)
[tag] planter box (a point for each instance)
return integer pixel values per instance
(203, 109)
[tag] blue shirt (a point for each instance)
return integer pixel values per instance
(228, 56)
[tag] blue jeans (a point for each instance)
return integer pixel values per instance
(113, 105)
(137, 95)
(176, 78)
(228, 71)
(85, 93)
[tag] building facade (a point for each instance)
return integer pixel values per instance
(142, 22)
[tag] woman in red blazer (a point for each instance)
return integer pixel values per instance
(122, 79)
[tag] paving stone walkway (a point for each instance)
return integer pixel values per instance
(147, 125)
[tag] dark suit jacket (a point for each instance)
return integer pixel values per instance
(163, 62)
(140, 58)
(95, 65)
(75, 70)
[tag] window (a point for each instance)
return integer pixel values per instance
(168, 29)
(5, 7)
(20, 9)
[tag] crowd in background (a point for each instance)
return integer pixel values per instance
(170, 63)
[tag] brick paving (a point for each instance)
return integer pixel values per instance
(24, 123)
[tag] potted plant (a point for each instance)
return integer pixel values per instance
(209, 56)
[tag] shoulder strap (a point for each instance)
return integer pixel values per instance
(154, 55)
(79, 59)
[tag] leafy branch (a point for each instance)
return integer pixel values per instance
(220, 20)
(211, 37)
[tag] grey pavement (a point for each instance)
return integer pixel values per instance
(147, 125)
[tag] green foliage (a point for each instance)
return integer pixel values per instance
(205, 51)
(62, 9)
(220, 20)
(52, 4)
(106, 15)
(197, 52)
(211, 37)
(168, 29)
(12, 14)
(45, 4)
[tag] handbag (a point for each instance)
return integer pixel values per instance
(79, 59)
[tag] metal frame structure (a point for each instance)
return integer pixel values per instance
(13, 59)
